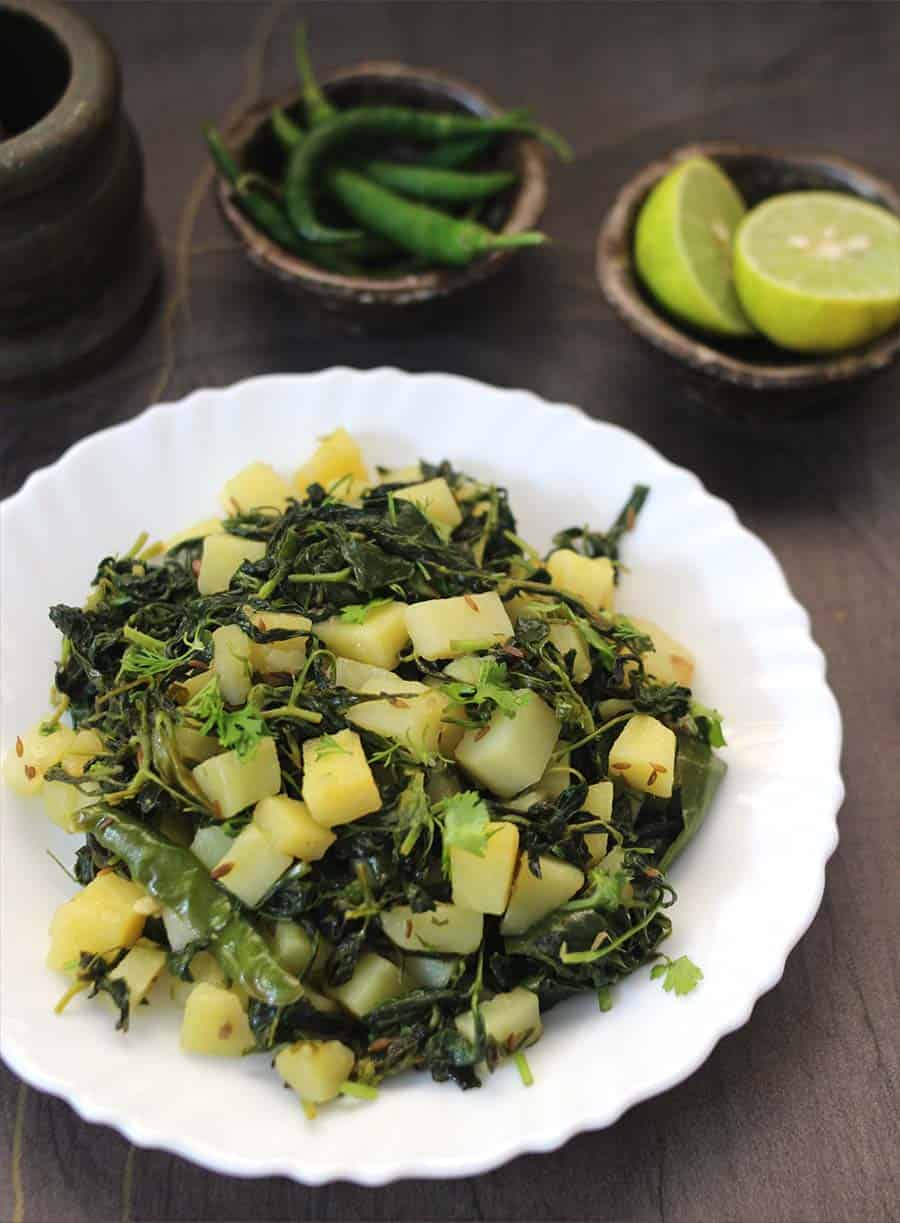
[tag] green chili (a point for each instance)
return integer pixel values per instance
(386, 121)
(288, 133)
(178, 880)
(416, 227)
(454, 153)
(427, 183)
(318, 108)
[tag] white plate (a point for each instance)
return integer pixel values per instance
(749, 885)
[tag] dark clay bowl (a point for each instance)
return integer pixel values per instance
(372, 301)
(78, 256)
(746, 379)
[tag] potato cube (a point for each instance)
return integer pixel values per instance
(100, 919)
(532, 899)
(435, 500)
(511, 1020)
(448, 628)
(196, 531)
(316, 1069)
(338, 786)
(214, 1023)
(599, 800)
(222, 556)
(210, 845)
(256, 487)
(591, 578)
(231, 663)
(669, 662)
(140, 970)
(194, 747)
(178, 932)
(32, 754)
(390, 683)
(514, 752)
(567, 637)
(551, 784)
(428, 972)
(644, 756)
(337, 458)
(378, 640)
(186, 689)
(86, 746)
(413, 720)
(275, 657)
(483, 883)
(204, 968)
(251, 867)
(467, 669)
(291, 829)
(292, 946)
(232, 782)
(443, 928)
(597, 844)
(63, 803)
(374, 980)
(411, 474)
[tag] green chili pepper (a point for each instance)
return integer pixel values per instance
(447, 186)
(288, 133)
(178, 880)
(318, 108)
(385, 121)
(416, 227)
(454, 153)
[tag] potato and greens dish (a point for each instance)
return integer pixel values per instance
(365, 783)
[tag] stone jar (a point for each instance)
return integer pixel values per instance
(78, 256)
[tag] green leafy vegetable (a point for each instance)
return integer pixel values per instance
(358, 613)
(240, 729)
(493, 686)
(465, 825)
(679, 976)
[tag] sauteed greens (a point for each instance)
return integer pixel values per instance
(365, 780)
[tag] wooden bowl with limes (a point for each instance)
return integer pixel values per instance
(747, 378)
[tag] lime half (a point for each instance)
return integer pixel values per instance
(683, 246)
(818, 271)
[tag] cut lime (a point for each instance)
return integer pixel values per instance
(818, 271)
(683, 242)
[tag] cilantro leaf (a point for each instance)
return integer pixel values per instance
(358, 613)
(465, 825)
(709, 720)
(493, 685)
(681, 975)
(240, 729)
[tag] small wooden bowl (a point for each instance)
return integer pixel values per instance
(376, 301)
(747, 379)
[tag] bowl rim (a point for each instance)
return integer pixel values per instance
(616, 275)
(526, 208)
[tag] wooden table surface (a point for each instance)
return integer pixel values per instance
(795, 1117)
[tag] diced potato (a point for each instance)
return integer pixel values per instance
(287, 823)
(197, 530)
(374, 980)
(551, 784)
(389, 682)
(100, 919)
(186, 689)
(62, 802)
(276, 657)
(428, 972)
(532, 898)
(86, 746)
(379, 640)
(467, 669)
(139, 969)
(32, 754)
(336, 458)
(256, 487)
(448, 628)
(251, 866)
(178, 932)
(514, 752)
(222, 556)
(519, 605)
(512, 1020)
(670, 662)
(214, 1023)
(591, 578)
(483, 883)
(210, 845)
(316, 1069)
(205, 969)
(193, 746)
(338, 786)
(231, 663)
(411, 474)
(232, 782)
(434, 499)
(443, 928)
(567, 637)
(413, 720)
(644, 756)
(597, 844)
(599, 800)
(292, 946)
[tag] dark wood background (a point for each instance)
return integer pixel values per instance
(796, 1116)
